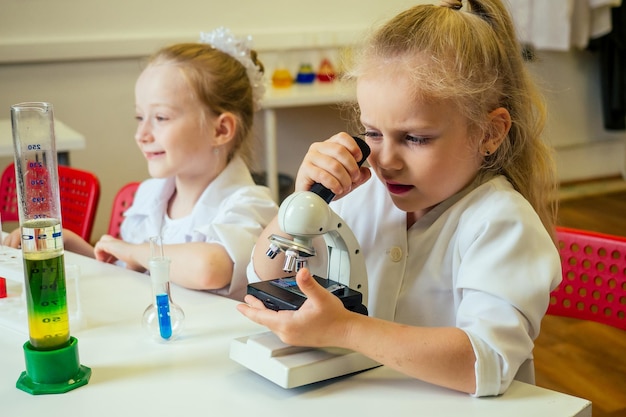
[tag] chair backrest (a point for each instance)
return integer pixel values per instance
(122, 201)
(79, 194)
(594, 277)
(8, 195)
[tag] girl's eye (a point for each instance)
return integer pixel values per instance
(139, 118)
(371, 135)
(419, 140)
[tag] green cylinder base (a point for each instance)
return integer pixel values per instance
(53, 371)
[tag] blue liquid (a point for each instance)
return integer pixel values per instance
(163, 310)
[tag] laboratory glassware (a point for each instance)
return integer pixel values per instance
(51, 354)
(163, 319)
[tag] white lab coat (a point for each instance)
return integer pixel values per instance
(232, 211)
(481, 261)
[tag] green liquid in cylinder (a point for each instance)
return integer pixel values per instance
(46, 298)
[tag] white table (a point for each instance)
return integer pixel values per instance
(134, 375)
(298, 95)
(67, 139)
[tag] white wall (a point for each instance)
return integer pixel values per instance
(84, 57)
(42, 29)
(585, 149)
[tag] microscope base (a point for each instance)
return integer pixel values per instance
(293, 366)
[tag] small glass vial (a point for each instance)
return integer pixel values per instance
(163, 319)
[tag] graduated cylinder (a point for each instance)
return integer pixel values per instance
(40, 223)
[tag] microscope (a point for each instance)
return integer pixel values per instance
(305, 215)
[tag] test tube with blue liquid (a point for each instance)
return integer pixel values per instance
(51, 354)
(163, 319)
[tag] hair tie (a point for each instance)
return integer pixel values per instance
(239, 48)
(452, 4)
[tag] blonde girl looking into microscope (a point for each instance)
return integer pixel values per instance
(456, 228)
(195, 105)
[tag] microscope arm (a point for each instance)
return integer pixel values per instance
(346, 263)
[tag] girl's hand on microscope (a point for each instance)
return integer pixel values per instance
(320, 322)
(334, 164)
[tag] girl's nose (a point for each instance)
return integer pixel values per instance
(143, 132)
(387, 155)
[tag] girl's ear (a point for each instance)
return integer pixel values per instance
(499, 126)
(225, 127)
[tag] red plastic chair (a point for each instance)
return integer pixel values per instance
(79, 194)
(594, 277)
(122, 201)
(8, 195)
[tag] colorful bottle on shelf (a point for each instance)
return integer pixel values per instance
(306, 75)
(326, 72)
(282, 78)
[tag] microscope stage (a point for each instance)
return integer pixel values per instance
(284, 294)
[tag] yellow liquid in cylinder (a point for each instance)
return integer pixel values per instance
(46, 298)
